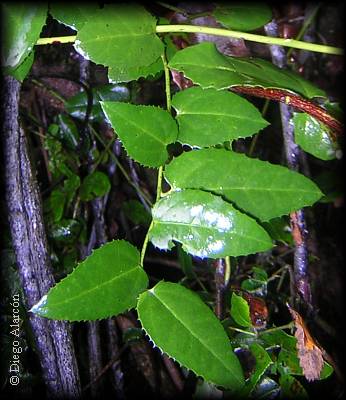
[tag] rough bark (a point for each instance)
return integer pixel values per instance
(54, 344)
(297, 218)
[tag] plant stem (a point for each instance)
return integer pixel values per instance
(277, 328)
(160, 171)
(296, 44)
(305, 26)
(288, 98)
(251, 37)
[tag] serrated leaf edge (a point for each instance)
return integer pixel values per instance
(43, 298)
(167, 353)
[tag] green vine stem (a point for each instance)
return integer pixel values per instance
(293, 43)
(160, 171)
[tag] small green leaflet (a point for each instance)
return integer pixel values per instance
(120, 36)
(185, 328)
(240, 311)
(262, 189)
(207, 116)
(243, 16)
(95, 185)
(313, 137)
(23, 24)
(145, 131)
(263, 361)
(106, 283)
(205, 225)
(205, 66)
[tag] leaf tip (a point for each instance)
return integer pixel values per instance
(40, 307)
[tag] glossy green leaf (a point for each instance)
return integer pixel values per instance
(65, 231)
(145, 131)
(266, 389)
(22, 27)
(205, 66)
(240, 310)
(96, 184)
(243, 16)
(263, 361)
(73, 15)
(77, 105)
(205, 225)
(264, 190)
(291, 388)
(120, 36)
(182, 326)
(106, 283)
(313, 137)
(207, 116)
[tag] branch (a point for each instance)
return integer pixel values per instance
(286, 97)
(296, 44)
(54, 344)
(297, 218)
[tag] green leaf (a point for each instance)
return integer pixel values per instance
(182, 326)
(313, 137)
(258, 187)
(73, 15)
(96, 184)
(106, 283)
(24, 68)
(291, 388)
(145, 131)
(121, 74)
(65, 231)
(279, 229)
(24, 23)
(135, 211)
(288, 361)
(57, 204)
(240, 310)
(243, 16)
(207, 116)
(120, 37)
(205, 225)
(77, 105)
(205, 66)
(263, 361)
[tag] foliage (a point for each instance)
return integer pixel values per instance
(221, 203)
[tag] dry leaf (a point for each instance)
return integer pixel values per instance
(258, 310)
(309, 353)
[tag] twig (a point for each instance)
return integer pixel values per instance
(220, 274)
(288, 98)
(106, 368)
(174, 373)
(297, 219)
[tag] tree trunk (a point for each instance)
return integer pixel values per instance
(54, 344)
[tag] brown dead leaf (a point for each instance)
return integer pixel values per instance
(309, 353)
